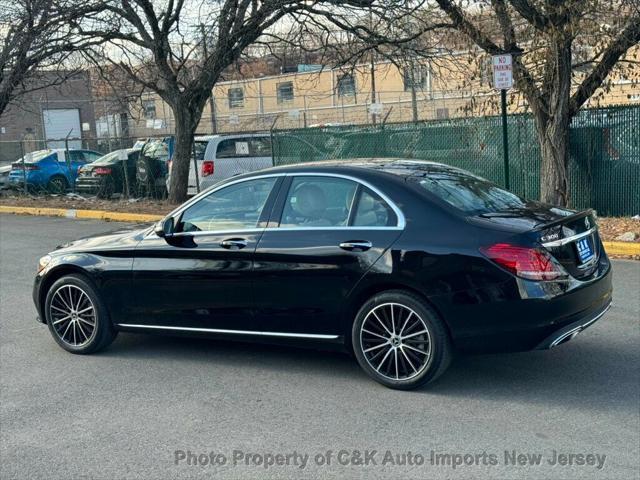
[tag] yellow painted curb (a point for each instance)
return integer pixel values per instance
(87, 214)
(622, 248)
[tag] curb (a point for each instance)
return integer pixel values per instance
(622, 248)
(86, 214)
(613, 248)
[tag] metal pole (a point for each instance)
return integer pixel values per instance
(195, 166)
(505, 137)
(24, 169)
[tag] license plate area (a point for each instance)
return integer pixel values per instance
(584, 250)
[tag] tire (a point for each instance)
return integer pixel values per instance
(57, 184)
(398, 363)
(77, 335)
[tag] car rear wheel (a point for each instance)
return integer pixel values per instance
(399, 341)
(77, 318)
(57, 184)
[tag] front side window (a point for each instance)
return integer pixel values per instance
(236, 207)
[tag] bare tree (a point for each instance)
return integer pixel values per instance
(570, 48)
(179, 50)
(37, 36)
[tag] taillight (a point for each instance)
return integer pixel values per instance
(169, 163)
(524, 262)
(27, 166)
(207, 168)
(102, 171)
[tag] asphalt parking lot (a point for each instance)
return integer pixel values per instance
(139, 408)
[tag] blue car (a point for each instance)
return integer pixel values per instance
(50, 170)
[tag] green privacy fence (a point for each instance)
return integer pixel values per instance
(604, 168)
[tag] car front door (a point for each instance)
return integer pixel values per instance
(328, 233)
(200, 277)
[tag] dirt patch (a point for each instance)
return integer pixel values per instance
(77, 202)
(613, 227)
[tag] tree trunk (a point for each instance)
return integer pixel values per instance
(186, 123)
(552, 123)
(553, 137)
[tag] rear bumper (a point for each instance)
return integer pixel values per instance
(537, 320)
(568, 332)
(90, 185)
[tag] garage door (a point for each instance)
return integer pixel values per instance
(57, 125)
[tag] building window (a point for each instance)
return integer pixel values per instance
(285, 92)
(149, 107)
(442, 113)
(236, 98)
(346, 85)
(414, 76)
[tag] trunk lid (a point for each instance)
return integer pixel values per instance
(570, 237)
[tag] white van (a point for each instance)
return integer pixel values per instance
(223, 156)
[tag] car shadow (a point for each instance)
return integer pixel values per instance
(583, 373)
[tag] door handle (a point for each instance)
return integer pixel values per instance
(234, 243)
(356, 245)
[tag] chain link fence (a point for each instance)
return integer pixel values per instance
(604, 167)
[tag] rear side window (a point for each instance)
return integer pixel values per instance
(199, 149)
(233, 148)
(470, 194)
(372, 211)
(318, 202)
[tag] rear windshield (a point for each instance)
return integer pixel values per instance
(470, 194)
(114, 157)
(36, 156)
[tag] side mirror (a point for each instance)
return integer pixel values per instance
(165, 228)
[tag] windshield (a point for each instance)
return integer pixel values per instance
(468, 193)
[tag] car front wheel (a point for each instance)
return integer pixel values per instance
(399, 341)
(77, 318)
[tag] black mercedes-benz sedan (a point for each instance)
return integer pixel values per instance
(401, 262)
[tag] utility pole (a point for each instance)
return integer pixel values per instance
(212, 103)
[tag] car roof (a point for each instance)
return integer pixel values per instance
(402, 167)
(222, 136)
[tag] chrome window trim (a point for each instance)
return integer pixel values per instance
(400, 225)
(573, 238)
(233, 332)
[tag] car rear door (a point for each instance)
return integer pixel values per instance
(201, 277)
(326, 232)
